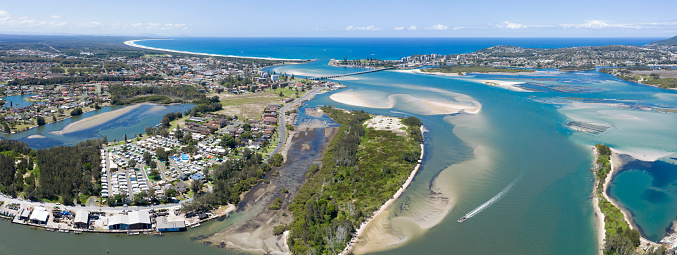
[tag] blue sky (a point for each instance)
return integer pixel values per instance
(343, 18)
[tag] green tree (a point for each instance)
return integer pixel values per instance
(195, 186)
(276, 160)
(41, 121)
(147, 157)
(76, 112)
(155, 173)
(171, 193)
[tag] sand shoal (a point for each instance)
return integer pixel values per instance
(95, 120)
(355, 99)
(416, 104)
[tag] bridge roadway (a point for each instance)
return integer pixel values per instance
(349, 74)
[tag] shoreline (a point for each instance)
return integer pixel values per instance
(599, 216)
(382, 209)
(132, 43)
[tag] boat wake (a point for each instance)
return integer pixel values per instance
(493, 200)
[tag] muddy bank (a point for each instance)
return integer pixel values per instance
(254, 232)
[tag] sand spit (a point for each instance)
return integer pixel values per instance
(36, 136)
(380, 213)
(509, 85)
(95, 120)
(133, 44)
(599, 216)
(415, 104)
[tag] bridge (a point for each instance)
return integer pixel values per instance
(349, 74)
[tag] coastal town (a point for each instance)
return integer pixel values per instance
(146, 181)
(230, 151)
(652, 64)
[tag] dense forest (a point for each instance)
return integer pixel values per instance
(361, 169)
(67, 171)
(52, 174)
(121, 94)
(230, 179)
(11, 173)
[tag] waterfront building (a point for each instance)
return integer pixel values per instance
(163, 225)
(81, 219)
(133, 220)
(39, 215)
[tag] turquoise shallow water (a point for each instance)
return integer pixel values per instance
(649, 191)
(517, 137)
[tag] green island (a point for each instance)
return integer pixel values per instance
(361, 169)
(462, 69)
(619, 237)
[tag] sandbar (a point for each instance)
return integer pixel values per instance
(415, 104)
(355, 99)
(95, 120)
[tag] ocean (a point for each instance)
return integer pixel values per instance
(516, 163)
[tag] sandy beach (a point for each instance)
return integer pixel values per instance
(95, 120)
(133, 44)
(599, 216)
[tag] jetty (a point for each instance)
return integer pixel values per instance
(349, 74)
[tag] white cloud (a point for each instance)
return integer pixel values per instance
(398, 28)
(599, 24)
(510, 25)
(439, 27)
(458, 28)
(367, 28)
(412, 28)
(55, 23)
(7, 21)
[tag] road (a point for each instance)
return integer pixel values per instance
(281, 124)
